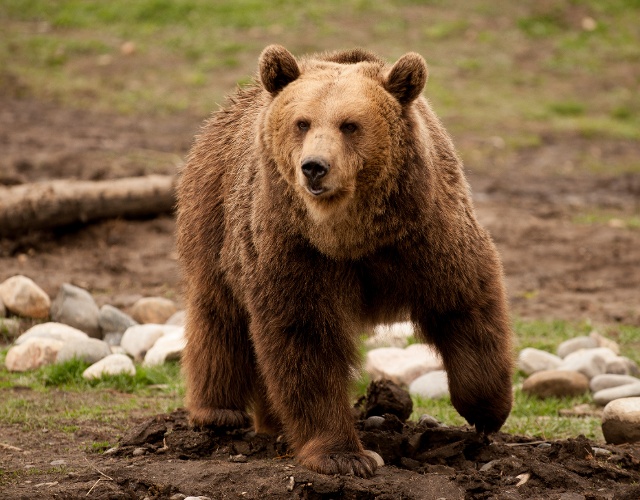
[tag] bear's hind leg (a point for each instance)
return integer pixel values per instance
(218, 365)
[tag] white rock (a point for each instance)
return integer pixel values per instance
(177, 319)
(393, 335)
(607, 381)
(621, 421)
(32, 354)
(167, 348)
(88, 350)
(432, 385)
(74, 306)
(156, 310)
(603, 341)
(138, 339)
(575, 344)
(532, 360)
(621, 366)
(605, 396)
(402, 366)
(56, 331)
(590, 362)
(113, 364)
(23, 297)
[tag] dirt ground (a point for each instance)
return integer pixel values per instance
(556, 268)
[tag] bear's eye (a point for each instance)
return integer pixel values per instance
(348, 128)
(303, 125)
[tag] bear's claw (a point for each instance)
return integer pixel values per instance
(357, 464)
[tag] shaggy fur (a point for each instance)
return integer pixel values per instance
(283, 269)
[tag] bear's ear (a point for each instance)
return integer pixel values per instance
(407, 78)
(278, 68)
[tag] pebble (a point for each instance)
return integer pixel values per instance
(238, 459)
(605, 396)
(607, 381)
(167, 348)
(88, 350)
(402, 366)
(429, 421)
(58, 462)
(575, 344)
(153, 310)
(138, 452)
(393, 335)
(74, 306)
(622, 366)
(589, 362)
(113, 364)
(138, 339)
(177, 319)
(621, 421)
(374, 422)
(51, 330)
(532, 360)
(23, 297)
(558, 383)
(113, 321)
(432, 385)
(32, 354)
(375, 456)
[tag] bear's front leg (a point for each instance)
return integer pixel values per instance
(307, 371)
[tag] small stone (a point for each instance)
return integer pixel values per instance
(575, 344)
(373, 423)
(88, 350)
(375, 456)
(167, 348)
(532, 360)
(55, 463)
(601, 452)
(558, 383)
(32, 354)
(393, 335)
(55, 331)
(178, 496)
(432, 385)
(138, 452)
(23, 297)
(113, 320)
(111, 451)
(113, 364)
(138, 339)
(621, 366)
(238, 459)
(153, 310)
(197, 498)
(605, 396)
(429, 421)
(74, 306)
(402, 366)
(621, 421)
(589, 362)
(177, 319)
(603, 341)
(607, 381)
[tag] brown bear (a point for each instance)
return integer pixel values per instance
(323, 199)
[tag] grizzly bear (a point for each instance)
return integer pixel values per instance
(323, 199)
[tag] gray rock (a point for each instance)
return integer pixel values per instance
(88, 350)
(589, 362)
(575, 344)
(621, 421)
(556, 383)
(32, 354)
(51, 330)
(373, 422)
(113, 364)
(432, 385)
(155, 310)
(113, 320)
(113, 338)
(177, 319)
(74, 306)
(532, 360)
(22, 296)
(621, 366)
(605, 396)
(429, 421)
(607, 381)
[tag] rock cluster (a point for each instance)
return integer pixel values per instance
(106, 338)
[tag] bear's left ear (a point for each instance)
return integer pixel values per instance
(278, 68)
(407, 78)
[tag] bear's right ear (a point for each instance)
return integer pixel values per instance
(278, 68)
(407, 78)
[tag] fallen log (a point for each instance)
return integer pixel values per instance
(58, 203)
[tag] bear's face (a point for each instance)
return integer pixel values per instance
(332, 129)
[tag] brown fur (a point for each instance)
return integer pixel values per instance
(280, 281)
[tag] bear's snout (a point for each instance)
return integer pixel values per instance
(314, 168)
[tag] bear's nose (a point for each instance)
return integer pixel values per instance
(315, 168)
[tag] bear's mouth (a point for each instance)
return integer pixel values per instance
(316, 190)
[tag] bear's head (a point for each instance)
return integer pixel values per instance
(335, 124)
